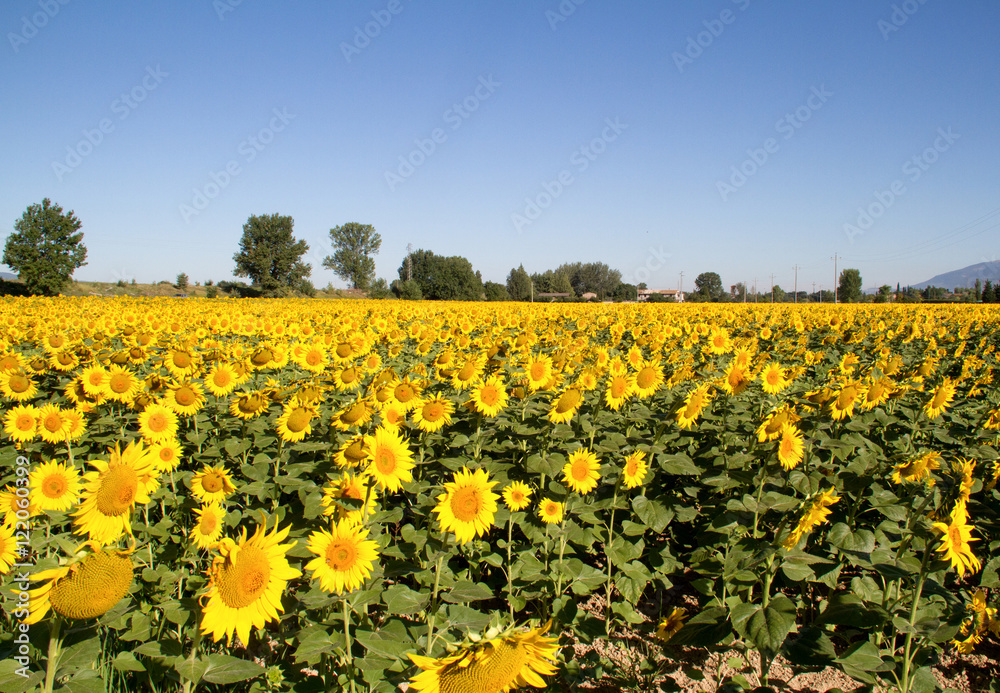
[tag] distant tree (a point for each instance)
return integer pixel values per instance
(212, 292)
(518, 284)
(496, 292)
(442, 278)
(988, 295)
(270, 256)
(660, 298)
(182, 281)
(884, 294)
(306, 287)
(778, 294)
(642, 286)
(45, 248)
(379, 289)
(978, 291)
(625, 292)
(849, 290)
(352, 260)
(739, 291)
(589, 277)
(407, 290)
(707, 288)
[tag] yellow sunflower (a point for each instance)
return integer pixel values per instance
(939, 401)
(618, 390)
(736, 379)
(8, 548)
(389, 458)
(634, 470)
(87, 588)
(17, 386)
(670, 624)
(790, 447)
(917, 470)
(166, 455)
(246, 581)
(295, 422)
(565, 405)
(815, 514)
(517, 495)
(433, 414)
(648, 378)
(54, 486)
(538, 371)
(121, 384)
(112, 490)
(21, 423)
(185, 398)
(355, 415)
(158, 423)
(956, 544)
(582, 471)
(773, 378)
(51, 425)
(351, 454)
(468, 505)
(207, 530)
(212, 484)
(499, 664)
(842, 406)
(490, 397)
(345, 557)
(694, 404)
(550, 511)
(221, 380)
(344, 499)
(249, 405)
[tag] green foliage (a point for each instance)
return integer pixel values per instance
(379, 289)
(590, 277)
(407, 290)
(45, 248)
(989, 293)
(519, 284)
(212, 292)
(495, 292)
(625, 292)
(552, 281)
(442, 278)
(707, 289)
(352, 260)
(182, 281)
(270, 256)
(849, 290)
(884, 294)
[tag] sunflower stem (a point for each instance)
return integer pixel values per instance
(905, 681)
(607, 557)
(510, 581)
(347, 643)
(52, 660)
(434, 597)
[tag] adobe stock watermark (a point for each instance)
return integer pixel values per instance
(31, 25)
(696, 45)
(248, 150)
(454, 117)
(564, 10)
(900, 15)
(21, 582)
(580, 160)
(364, 35)
(912, 170)
(224, 7)
(787, 126)
(121, 107)
(656, 260)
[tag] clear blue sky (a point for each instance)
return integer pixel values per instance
(695, 91)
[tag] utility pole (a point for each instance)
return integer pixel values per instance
(772, 287)
(836, 279)
(796, 268)
(755, 289)
(409, 262)
(680, 287)
(814, 289)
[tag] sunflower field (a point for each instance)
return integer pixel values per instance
(295, 495)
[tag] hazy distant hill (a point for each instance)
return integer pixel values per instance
(965, 277)
(8, 276)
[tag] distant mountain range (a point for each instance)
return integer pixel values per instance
(8, 276)
(965, 277)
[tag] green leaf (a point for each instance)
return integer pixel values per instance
(81, 655)
(465, 591)
(861, 660)
(768, 626)
(705, 629)
(162, 649)
(190, 670)
(126, 661)
(811, 647)
(653, 513)
(11, 679)
(384, 644)
(851, 610)
(679, 464)
(401, 600)
(224, 669)
(314, 642)
(87, 681)
(465, 618)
